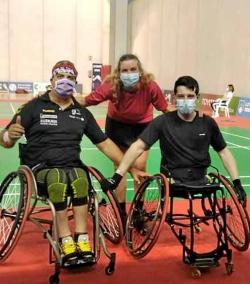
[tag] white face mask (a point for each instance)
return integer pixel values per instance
(185, 106)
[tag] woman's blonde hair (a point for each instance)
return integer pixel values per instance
(114, 78)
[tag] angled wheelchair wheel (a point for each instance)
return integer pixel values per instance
(146, 215)
(109, 212)
(236, 217)
(15, 193)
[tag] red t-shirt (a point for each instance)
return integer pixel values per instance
(132, 108)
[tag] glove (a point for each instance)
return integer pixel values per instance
(240, 192)
(111, 183)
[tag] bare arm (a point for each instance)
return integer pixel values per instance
(229, 163)
(134, 151)
(81, 100)
(111, 150)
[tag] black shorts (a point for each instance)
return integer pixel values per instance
(123, 134)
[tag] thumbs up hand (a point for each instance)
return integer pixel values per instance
(16, 130)
(18, 120)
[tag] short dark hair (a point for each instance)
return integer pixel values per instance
(188, 82)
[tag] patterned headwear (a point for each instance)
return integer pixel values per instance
(64, 67)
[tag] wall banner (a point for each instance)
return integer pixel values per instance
(14, 87)
(244, 107)
(96, 75)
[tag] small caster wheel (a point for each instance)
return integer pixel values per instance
(229, 268)
(198, 229)
(109, 270)
(54, 279)
(196, 273)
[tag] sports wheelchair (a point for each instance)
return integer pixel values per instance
(19, 197)
(155, 203)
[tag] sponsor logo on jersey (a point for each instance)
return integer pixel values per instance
(75, 111)
(76, 114)
(76, 117)
(48, 110)
(48, 119)
(53, 116)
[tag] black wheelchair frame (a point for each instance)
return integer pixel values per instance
(219, 207)
(18, 204)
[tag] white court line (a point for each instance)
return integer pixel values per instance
(157, 148)
(232, 147)
(12, 108)
(244, 137)
(132, 189)
(130, 179)
(239, 146)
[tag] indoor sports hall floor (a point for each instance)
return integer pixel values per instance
(236, 132)
(29, 260)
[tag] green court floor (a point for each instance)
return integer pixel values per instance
(238, 140)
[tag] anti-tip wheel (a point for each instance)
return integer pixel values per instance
(195, 272)
(109, 270)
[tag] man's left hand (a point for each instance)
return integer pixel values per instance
(240, 192)
(138, 175)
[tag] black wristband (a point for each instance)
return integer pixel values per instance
(111, 183)
(116, 178)
(237, 182)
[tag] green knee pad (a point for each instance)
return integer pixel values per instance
(80, 187)
(57, 192)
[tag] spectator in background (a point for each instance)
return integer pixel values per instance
(132, 94)
(224, 101)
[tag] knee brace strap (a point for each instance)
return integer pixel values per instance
(57, 192)
(80, 187)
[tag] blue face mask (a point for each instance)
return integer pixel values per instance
(129, 79)
(64, 87)
(185, 106)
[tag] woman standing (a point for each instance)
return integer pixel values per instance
(132, 94)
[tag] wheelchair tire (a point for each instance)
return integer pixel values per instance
(110, 219)
(237, 220)
(15, 193)
(146, 215)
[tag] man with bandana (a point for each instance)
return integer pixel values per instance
(53, 125)
(185, 137)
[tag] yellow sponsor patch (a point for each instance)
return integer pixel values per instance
(48, 110)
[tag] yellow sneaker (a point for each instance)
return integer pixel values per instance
(69, 248)
(84, 249)
(83, 246)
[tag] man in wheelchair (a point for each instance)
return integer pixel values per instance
(53, 125)
(185, 136)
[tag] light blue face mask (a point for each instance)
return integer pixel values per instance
(129, 79)
(185, 106)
